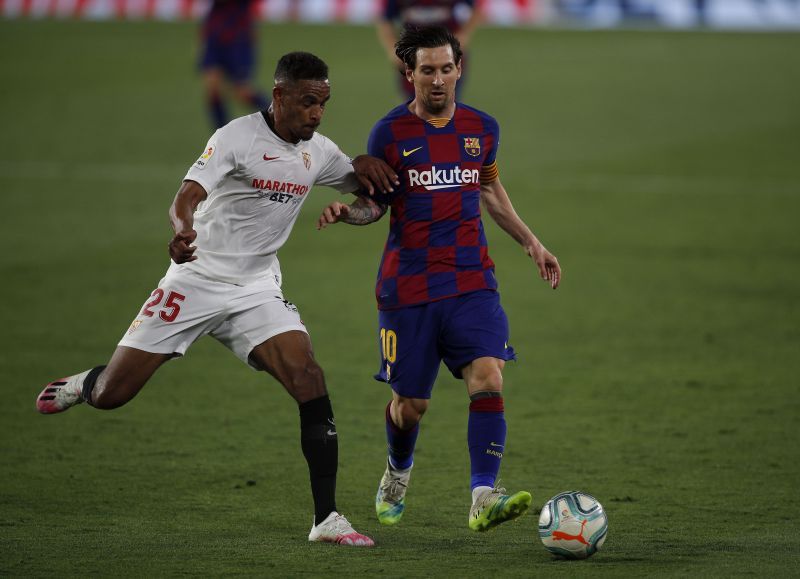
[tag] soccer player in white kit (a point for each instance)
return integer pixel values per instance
(234, 210)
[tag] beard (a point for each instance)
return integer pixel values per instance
(436, 106)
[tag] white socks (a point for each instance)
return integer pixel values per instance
(477, 491)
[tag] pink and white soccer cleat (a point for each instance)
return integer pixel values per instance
(336, 529)
(62, 394)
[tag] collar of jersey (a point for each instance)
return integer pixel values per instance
(438, 122)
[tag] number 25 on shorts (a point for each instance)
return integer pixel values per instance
(171, 307)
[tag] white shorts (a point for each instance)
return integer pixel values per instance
(186, 306)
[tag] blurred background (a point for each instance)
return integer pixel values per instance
(653, 146)
(590, 13)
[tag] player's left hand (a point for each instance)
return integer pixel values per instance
(181, 249)
(372, 172)
(547, 263)
(332, 214)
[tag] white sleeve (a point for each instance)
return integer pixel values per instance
(216, 161)
(338, 170)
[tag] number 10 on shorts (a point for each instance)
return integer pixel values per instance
(389, 345)
(389, 349)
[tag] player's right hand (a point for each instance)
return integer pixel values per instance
(549, 268)
(181, 249)
(371, 170)
(332, 214)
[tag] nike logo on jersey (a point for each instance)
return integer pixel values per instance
(411, 152)
(269, 158)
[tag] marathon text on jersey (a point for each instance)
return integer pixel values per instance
(434, 178)
(280, 186)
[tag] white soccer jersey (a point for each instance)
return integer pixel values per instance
(256, 184)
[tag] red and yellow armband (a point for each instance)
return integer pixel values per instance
(489, 173)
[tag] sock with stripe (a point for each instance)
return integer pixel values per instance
(401, 442)
(486, 437)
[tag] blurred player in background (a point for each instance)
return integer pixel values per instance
(229, 54)
(461, 17)
(436, 290)
(238, 203)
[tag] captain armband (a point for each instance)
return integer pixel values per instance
(489, 173)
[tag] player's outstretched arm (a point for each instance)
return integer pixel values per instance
(181, 216)
(362, 211)
(373, 171)
(497, 203)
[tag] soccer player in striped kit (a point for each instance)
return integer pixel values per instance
(229, 53)
(436, 289)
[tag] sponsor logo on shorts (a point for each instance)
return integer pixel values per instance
(134, 325)
(289, 305)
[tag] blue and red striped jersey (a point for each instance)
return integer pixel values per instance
(436, 246)
(448, 13)
(229, 21)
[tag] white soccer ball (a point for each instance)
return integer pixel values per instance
(573, 525)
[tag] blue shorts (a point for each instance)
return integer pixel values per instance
(237, 59)
(413, 341)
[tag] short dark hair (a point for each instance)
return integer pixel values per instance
(300, 66)
(416, 37)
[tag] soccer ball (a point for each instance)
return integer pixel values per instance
(573, 525)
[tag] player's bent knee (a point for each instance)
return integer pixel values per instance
(305, 382)
(492, 382)
(484, 377)
(410, 411)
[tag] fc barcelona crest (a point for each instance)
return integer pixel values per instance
(307, 160)
(472, 145)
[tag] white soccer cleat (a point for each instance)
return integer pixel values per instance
(61, 395)
(390, 502)
(337, 529)
(494, 506)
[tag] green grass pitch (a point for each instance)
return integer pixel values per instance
(661, 168)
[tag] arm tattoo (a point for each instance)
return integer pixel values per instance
(364, 211)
